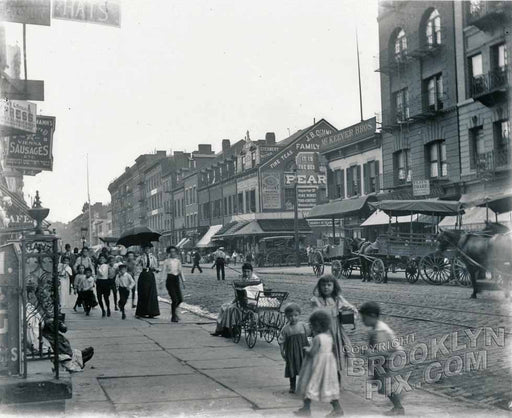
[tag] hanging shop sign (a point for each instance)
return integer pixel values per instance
(33, 151)
(104, 12)
(421, 187)
(31, 12)
(17, 116)
(271, 190)
(352, 133)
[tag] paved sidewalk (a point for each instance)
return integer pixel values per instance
(154, 367)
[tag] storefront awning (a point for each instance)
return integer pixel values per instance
(474, 219)
(427, 207)
(182, 243)
(109, 240)
(271, 227)
(381, 218)
(341, 208)
(498, 202)
(229, 229)
(206, 240)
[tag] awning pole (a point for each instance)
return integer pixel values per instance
(333, 232)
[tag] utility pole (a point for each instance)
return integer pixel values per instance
(296, 220)
(89, 200)
(359, 78)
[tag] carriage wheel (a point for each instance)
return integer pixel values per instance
(236, 325)
(317, 260)
(336, 268)
(412, 272)
(269, 332)
(346, 270)
(435, 269)
(378, 270)
(461, 272)
(251, 329)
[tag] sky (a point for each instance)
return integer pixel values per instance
(180, 73)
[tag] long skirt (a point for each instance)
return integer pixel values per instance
(225, 315)
(147, 300)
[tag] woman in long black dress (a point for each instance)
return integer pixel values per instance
(147, 299)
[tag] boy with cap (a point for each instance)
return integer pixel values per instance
(124, 283)
(384, 344)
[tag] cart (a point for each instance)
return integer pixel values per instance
(342, 252)
(414, 253)
(278, 251)
(261, 316)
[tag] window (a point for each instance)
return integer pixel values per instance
(434, 29)
(252, 196)
(400, 46)
(225, 206)
(402, 105)
(241, 202)
(217, 208)
(435, 92)
(502, 143)
(247, 201)
(354, 180)
(475, 7)
(477, 146)
(438, 165)
(371, 177)
(403, 172)
(499, 57)
(339, 184)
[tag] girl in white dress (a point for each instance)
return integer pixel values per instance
(65, 293)
(318, 379)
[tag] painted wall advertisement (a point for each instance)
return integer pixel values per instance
(271, 190)
(33, 151)
(298, 163)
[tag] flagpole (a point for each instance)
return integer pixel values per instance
(89, 201)
(359, 77)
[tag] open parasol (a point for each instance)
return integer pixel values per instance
(138, 236)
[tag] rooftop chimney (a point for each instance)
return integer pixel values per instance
(204, 149)
(226, 145)
(270, 138)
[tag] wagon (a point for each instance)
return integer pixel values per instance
(414, 253)
(261, 317)
(342, 252)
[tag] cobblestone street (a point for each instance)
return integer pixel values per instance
(443, 317)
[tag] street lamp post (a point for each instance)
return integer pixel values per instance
(296, 219)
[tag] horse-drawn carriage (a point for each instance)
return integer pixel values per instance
(414, 252)
(261, 316)
(343, 258)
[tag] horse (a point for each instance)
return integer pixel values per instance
(481, 252)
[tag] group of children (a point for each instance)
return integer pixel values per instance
(112, 275)
(318, 364)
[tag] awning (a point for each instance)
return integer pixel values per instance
(474, 218)
(182, 242)
(341, 208)
(381, 218)
(229, 229)
(272, 227)
(498, 202)
(206, 240)
(427, 207)
(109, 240)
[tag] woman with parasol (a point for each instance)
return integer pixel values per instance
(147, 299)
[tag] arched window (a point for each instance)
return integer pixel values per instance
(400, 45)
(433, 29)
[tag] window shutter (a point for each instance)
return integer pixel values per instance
(331, 184)
(377, 176)
(350, 185)
(359, 179)
(342, 184)
(366, 176)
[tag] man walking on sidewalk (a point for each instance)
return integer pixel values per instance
(220, 260)
(196, 258)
